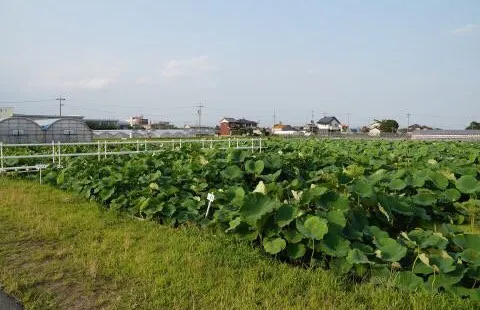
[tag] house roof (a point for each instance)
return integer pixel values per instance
(239, 121)
(327, 120)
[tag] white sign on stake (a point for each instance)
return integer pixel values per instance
(210, 198)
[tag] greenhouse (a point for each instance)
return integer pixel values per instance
(65, 130)
(20, 130)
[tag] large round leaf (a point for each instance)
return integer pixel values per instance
(296, 250)
(390, 250)
(274, 246)
(315, 227)
(440, 181)
(355, 256)
(471, 256)
(363, 188)
(255, 206)
(450, 195)
(336, 217)
(424, 198)
(408, 281)
(468, 241)
(334, 245)
(397, 184)
(467, 184)
(285, 215)
(232, 173)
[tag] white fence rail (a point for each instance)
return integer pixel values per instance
(55, 151)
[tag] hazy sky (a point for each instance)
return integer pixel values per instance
(369, 58)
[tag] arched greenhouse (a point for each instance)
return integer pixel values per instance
(20, 130)
(65, 130)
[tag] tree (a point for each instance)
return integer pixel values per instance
(473, 126)
(388, 125)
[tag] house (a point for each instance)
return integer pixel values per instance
(329, 123)
(281, 129)
(231, 126)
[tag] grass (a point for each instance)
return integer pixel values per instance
(58, 251)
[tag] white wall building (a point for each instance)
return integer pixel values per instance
(330, 123)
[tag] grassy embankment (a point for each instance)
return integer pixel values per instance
(58, 251)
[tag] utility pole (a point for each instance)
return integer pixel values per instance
(274, 118)
(348, 120)
(61, 104)
(199, 112)
(313, 116)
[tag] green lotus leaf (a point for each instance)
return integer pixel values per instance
(314, 227)
(334, 245)
(337, 218)
(408, 281)
(397, 184)
(440, 181)
(471, 256)
(422, 268)
(340, 266)
(232, 173)
(450, 195)
(274, 246)
(285, 215)
(444, 280)
(390, 250)
(468, 241)
(355, 256)
(442, 260)
(296, 250)
(292, 235)
(424, 198)
(363, 188)
(255, 206)
(468, 184)
(427, 239)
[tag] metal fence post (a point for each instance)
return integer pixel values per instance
(145, 146)
(105, 156)
(59, 154)
(211, 143)
(253, 144)
(138, 147)
(180, 143)
(237, 142)
(1, 155)
(260, 144)
(98, 150)
(53, 151)
(229, 143)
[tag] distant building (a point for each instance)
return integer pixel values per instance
(330, 123)
(231, 126)
(284, 130)
(137, 121)
(6, 112)
(160, 125)
(102, 124)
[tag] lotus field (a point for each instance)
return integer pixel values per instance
(376, 211)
